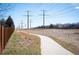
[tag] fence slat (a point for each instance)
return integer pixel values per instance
(0, 39)
(3, 37)
(5, 34)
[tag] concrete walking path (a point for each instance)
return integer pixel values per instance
(50, 47)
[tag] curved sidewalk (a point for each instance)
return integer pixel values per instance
(50, 47)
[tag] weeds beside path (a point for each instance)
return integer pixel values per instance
(23, 44)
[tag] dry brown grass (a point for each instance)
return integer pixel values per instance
(23, 44)
(68, 38)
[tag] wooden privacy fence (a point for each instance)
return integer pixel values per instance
(5, 33)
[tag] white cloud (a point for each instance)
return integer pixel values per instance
(77, 7)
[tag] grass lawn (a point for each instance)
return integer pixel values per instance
(22, 44)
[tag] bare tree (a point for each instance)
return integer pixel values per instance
(4, 8)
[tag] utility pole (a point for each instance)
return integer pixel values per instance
(43, 18)
(21, 24)
(30, 23)
(28, 17)
(44, 15)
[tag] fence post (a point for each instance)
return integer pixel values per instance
(3, 37)
(0, 38)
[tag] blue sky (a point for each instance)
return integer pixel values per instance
(56, 13)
